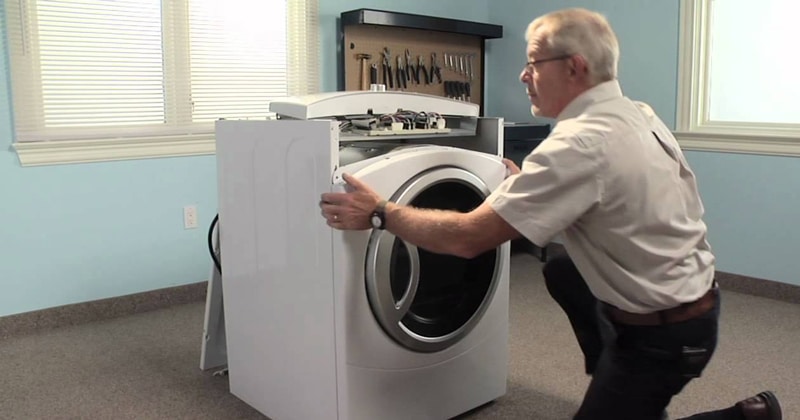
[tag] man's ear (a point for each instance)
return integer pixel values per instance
(578, 66)
(572, 65)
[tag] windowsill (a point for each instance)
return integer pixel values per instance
(738, 143)
(87, 151)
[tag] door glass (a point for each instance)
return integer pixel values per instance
(451, 289)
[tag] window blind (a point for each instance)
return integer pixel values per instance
(98, 69)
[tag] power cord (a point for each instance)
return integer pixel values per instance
(211, 250)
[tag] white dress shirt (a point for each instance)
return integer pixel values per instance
(612, 179)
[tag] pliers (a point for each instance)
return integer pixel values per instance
(410, 68)
(401, 73)
(421, 68)
(436, 71)
(387, 68)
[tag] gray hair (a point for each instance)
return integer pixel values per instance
(582, 32)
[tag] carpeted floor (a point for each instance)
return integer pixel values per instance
(146, 366)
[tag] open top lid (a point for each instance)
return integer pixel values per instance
(333, 104)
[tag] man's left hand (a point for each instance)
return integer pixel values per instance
(350, 210)
(511, 167)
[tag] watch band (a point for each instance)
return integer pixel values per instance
(378, 217)
(381, 207)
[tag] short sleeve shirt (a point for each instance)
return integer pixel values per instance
(612, 180)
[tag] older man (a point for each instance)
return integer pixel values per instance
(638, 282)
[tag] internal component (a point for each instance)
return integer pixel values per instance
(403, 122)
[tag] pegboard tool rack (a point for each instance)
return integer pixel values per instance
(369, 31)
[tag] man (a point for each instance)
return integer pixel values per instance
(638, 284)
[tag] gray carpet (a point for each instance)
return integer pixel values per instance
(145, 366)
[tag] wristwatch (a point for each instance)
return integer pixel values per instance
(378, 217)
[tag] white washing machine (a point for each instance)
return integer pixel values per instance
(324, 324)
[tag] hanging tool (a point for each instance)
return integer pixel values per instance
(401, 73)
(373, 74)
(421, 68)
(387, 68)
(436, 71)
(412, 71)
(462, 91)
(409, 66)
(363, 59)
(450, 89)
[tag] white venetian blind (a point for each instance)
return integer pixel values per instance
(100, 63)
(100, 69)
(237, 60)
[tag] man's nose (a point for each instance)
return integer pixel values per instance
(524, 76)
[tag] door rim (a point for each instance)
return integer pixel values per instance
(377, 271)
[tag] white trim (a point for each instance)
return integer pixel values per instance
(85, 151)
(690, 59)
(737, 143)
(694, 129)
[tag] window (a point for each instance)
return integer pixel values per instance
(105, 80)
(737, 88)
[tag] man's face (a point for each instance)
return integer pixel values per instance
(546, 78)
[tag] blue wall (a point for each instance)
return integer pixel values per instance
(752, 208)
(75, 233)
(648, 37)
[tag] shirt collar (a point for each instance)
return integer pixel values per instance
(599, 93)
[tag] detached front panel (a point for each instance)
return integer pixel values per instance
(276, 264)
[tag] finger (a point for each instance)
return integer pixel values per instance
(331, 198)
(353, 181)
(334, 223)
(329, 209)
(511, 166)
(331, 217)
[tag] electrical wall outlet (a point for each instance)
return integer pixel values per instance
(190, 217)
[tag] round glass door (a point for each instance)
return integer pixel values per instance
(423, 300)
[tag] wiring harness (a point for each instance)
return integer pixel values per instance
(405, 120)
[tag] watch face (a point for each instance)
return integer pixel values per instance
(376, 221)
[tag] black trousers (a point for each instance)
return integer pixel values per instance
(636, 370)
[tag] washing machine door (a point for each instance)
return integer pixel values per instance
(426, 301)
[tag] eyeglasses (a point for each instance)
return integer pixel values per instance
(530, 66)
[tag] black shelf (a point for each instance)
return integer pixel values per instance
(407, 20)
